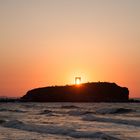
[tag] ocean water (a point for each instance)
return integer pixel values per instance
(69, 121)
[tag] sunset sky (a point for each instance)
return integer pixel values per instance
(50, 42)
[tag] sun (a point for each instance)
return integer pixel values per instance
(77, 80)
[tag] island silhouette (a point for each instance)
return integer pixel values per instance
(86, 92)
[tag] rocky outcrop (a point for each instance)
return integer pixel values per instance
(87, 92)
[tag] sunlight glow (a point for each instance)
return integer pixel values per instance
(77, 80)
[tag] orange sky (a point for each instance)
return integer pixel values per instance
(49, 42)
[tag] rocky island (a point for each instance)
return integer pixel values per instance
(86, 92)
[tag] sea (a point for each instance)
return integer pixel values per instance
(69, 121)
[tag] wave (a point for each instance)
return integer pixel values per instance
(10, 110)
(46, 112)
(78, 112)
(113, 110)
(69, 106)
(95, 135)
(90, 117)
(36, 128)
(57, 130)
(2, 121)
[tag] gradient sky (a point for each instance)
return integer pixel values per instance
(49, 42)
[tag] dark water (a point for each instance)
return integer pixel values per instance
(62, 121)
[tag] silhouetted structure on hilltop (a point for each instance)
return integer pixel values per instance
(87, 92)
(77, 80)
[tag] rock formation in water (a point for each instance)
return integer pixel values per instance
(87, 92)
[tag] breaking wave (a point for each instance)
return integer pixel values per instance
(59, 130)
